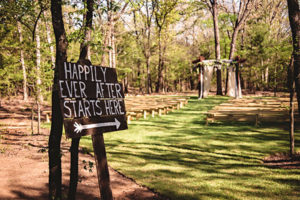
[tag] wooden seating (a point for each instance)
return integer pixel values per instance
(145, 106)
(47, 114)
(252, 110)
(153, 105)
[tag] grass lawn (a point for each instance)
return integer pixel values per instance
(180, 157)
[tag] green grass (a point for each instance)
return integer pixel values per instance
(180, 157)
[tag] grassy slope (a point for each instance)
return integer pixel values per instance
(182, 158)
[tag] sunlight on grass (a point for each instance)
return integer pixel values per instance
(179, 156)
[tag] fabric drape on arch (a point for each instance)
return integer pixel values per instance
(208, 73)
(233, 89)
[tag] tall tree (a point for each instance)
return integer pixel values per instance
(241, 10)
(146, 13)
(162, 12)
(213, 8)
(39, 96)
(109, 41)
(25, 94)
(294, 16)
(57, 120)
(49, 39)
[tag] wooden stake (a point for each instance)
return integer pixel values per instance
(102, 167)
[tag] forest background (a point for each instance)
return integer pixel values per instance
(151, 43)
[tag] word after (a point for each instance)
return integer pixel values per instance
(91, 100)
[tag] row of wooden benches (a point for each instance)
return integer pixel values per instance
(138, 107)
(252, 110)
(152, 106)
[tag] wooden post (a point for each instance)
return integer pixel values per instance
(102, 167)
(128, 119)
(200, 82)
(256, 120)
(47, 118)
(32, 119)
(73, 169)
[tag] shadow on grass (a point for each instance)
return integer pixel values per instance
(179, 156)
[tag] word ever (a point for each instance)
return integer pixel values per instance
(80, 89)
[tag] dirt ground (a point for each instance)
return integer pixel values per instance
(24, 163)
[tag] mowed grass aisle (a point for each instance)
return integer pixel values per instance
(180, 157)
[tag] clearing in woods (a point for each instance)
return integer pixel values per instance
(181, 157)
(176, 155)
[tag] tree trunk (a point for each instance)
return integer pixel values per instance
(232, 51)
(166, 83)
(104, 55)
(38, 64)
(84, 46)
(275, 81)
(110, 46)
(110, 32)
(74, 169)
(113, 49)
(49, 40)
(139, 75)
(291, 84)
(39, 97)
(294, 16)
(233, 42)
(126, 83)
(192, 84)
(159, 86)
(217, 45)
(25, 94)
(149, 84)
(57, 119)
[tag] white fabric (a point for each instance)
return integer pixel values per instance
(231, 82)
(208, 72)
(232, 91)
(240, 90)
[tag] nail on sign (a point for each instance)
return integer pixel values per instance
(91, 100)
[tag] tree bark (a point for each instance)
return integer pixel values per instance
(113, 50)
(139, 75)
(233, 42)
(25, 94)
(217, 45)
(291, 85)
(38, 64)
(74, 169)
(159, 85)
(39, 97)
(57, 119)
(49, 40)
(84, 46)
(148, 62)
(294, 17)
(242, 15)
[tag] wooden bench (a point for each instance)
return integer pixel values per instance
(47, 114)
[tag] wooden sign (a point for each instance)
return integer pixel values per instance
(91, 100)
